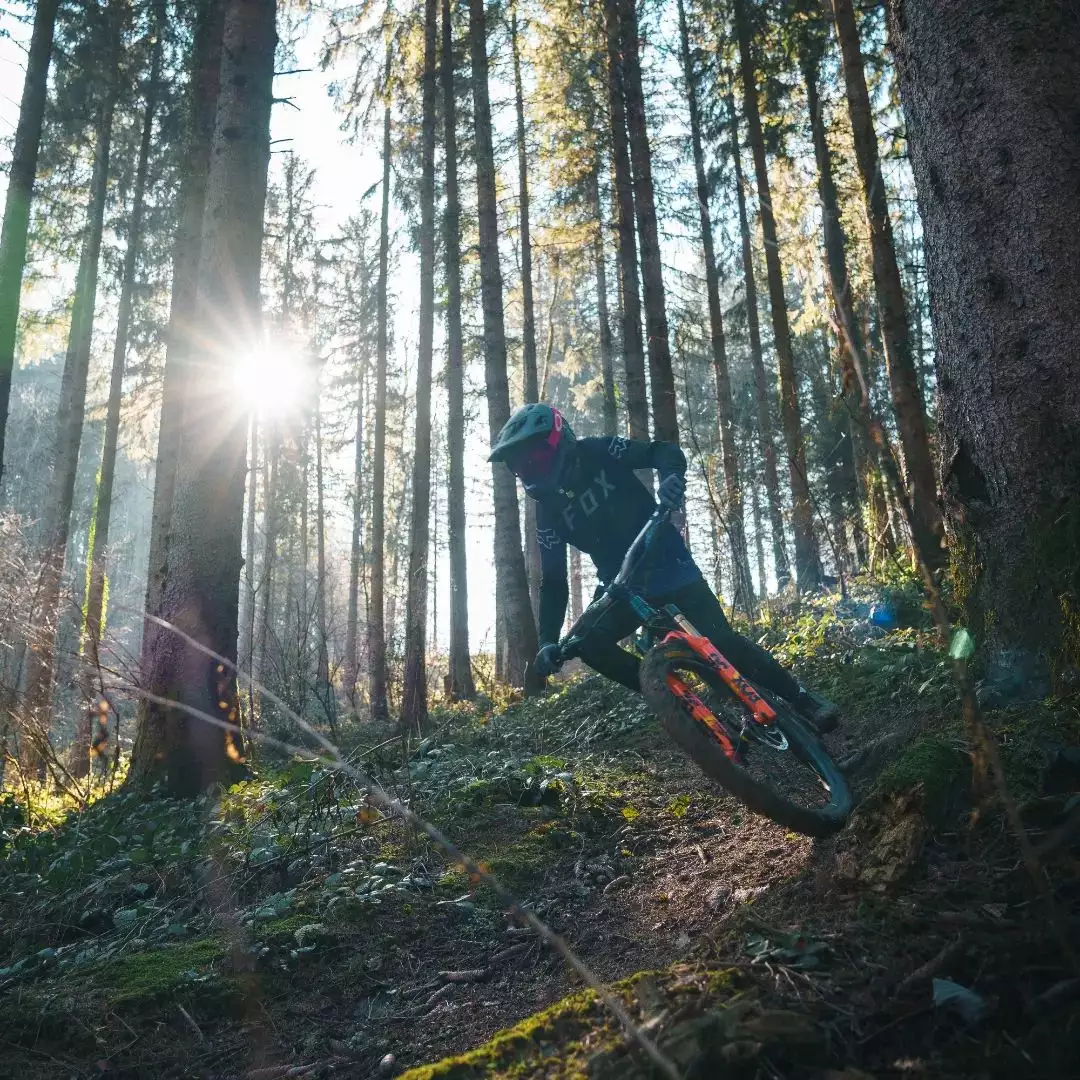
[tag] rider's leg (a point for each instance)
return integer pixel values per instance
(602, 652)
(701, 607)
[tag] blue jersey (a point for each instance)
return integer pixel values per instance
(600, 509)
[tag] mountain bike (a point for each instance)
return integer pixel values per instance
(749, 740)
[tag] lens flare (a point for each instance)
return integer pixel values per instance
(274, 379)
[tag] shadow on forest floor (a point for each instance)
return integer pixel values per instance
(289, 930)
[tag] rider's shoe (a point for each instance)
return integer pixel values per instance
(822, 713)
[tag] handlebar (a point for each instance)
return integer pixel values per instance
(634, 554)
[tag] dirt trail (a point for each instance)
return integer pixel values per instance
(774, 955)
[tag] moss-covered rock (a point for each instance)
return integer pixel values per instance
(700, 1018)
(932, 761)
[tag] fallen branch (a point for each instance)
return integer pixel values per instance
(476, 975)
(932, 966)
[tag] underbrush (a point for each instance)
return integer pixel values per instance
(294, 885)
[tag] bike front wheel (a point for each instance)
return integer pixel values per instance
(781, 770)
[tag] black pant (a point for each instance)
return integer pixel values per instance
(697, 602)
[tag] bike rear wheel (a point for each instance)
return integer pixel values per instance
(782, 771)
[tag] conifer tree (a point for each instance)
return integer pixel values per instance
(519, 626)
(20, 192)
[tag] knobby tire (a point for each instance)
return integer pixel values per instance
(695, 740)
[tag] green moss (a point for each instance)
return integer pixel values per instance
(521, 863)
(567, 1040)
(177, 970)
(282, 930)
(930, 760)
(523, 1050)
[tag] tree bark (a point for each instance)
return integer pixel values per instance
(352, 616)
(377, 672)
(807, 564)
(991, 95)
(509, 559)
(201, 594)
(414, 711)
(725, 408)
(835, 243)
(575, 585)
(607, 357)
(637, 407)
(245, 655)
(904, 385)
(759, 536)
(322, 674)
(462, 685)
(70, 413)
(21, 175)
(203, 93)
(271, 529)
(528, 320)
(97, 547)
(781, 567)
(661, 376)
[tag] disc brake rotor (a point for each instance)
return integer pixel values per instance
(771, 737)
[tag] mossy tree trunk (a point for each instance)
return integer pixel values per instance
(202, 585)
(22, 172)
(991, 95)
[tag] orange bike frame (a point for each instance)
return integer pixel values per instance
(759, 708)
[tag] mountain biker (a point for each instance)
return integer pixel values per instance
(589, 495)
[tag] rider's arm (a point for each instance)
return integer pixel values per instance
(554, 590)
(665, 457)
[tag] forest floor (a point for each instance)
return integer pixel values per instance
(289, 929)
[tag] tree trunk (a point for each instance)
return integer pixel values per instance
(661, 376)
(21, 175)
(352, 616)
(247, 611)
(414, 711)
(991, 94)
(322, 674)
(637, 407)
(201, 595)
(725, 409)
(856, 449)
(904, 385)
(807, 565)
(202, 95)
(462, 686)
(759, 535)
(509, 559)
(781, 568)
(97, 548)
(607, 357)
(528, 327)
(377, 673)
(575, 585)
(271, 512)
(70, 413)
